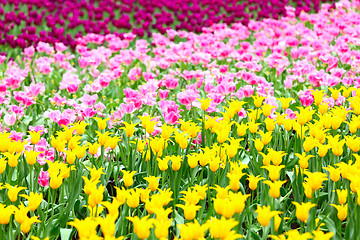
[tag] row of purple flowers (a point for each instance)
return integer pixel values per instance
(26, 22)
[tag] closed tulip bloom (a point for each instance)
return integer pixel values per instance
(253, 127)
(201, 190)
(266, 109)
(232, 150)
(285, 102)
(266, 158)
(304, 159)
(74, 142)
(167, 131)
(133, 198)
(190, 231)
(219, 205)
(234, 178)
(56, 181)
(144, 194)
(19, 146)
(222, 135)
(258, 144)
(96, 196)
(276, 156)
(2, 165)
(35, 136)
(294, 234)
(93, 148)
(342, 195)
(274, 187)
(121, 194)
(67, 133)
(274, 171)
(265, 137)
(253, 181)
(288, 124)
(241, 129)
(80, 127)
(21, 213)
(86, 227)
(31, 156)
(176, 162)
(142, 226)
(157, 145)
(80, 151)
(26, 225)
(277, 221)
(302, 210)
(95, 173)
(253, 115)
(307, 190)
(214, 163)
(190, 196)
(162, 215)
(140, 145)
(163, 163)
(323, 108)
(205, 103)
(334, 173)
(189, 210)
(113, 208)
(112, 142)
(238, 200)
(13, 159)
(162, 228)
(270, 124)
(34, 200)
(320, 235)
(310, 143)
(70, 157)
(318, 96)
(5, 213)
(13, 191)
(129, 129)
(265, 214)
(315, 179)
(229, 209)
(338, 148)
(153, 182)
(322, 150)
(90, 184)
(107, 226)
(221, 192)
(101, 122)
(128, 177)
(193, 160)
(102, 137)
(341, 211)
(258, 100)
(222, 228)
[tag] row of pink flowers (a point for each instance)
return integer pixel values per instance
(122, 77)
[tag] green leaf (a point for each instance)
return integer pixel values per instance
(178, 218)
(254, 235)
(291, 176)
(65, 233)
(331, 226)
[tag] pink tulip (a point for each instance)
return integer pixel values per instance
(43, 179)
(163, 94)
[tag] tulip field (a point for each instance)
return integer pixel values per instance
(220, 130)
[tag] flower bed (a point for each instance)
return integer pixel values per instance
(237, 132)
